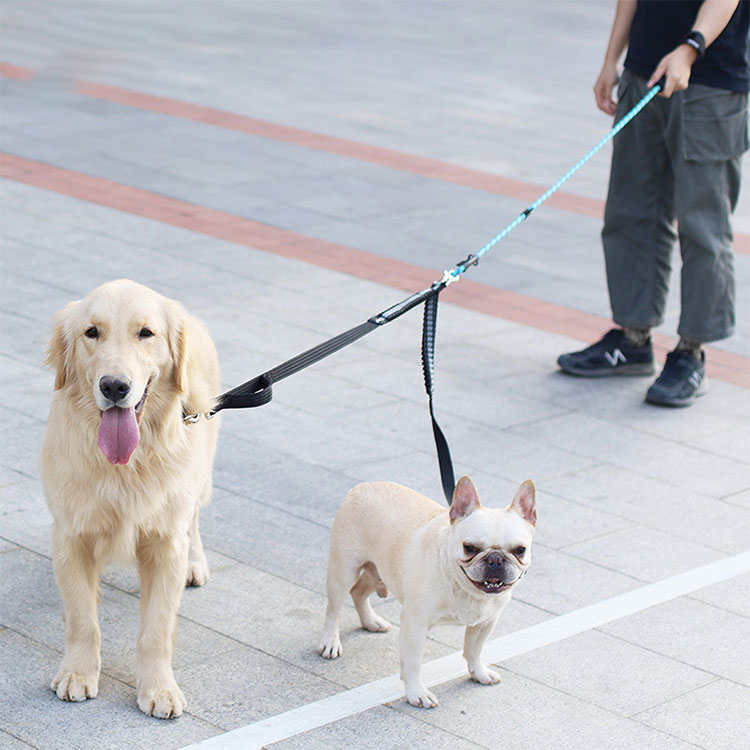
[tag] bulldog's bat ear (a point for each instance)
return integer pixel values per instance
(465, 499)
(524, 502)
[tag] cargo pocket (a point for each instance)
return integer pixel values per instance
(715, 127)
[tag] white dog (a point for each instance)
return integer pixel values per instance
(125, 475)
(444, 566)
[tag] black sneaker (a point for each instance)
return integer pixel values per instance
(613, 354)
(681, 381)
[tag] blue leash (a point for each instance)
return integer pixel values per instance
(259, 390)
(472, 260)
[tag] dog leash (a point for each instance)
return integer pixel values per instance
(259, 390)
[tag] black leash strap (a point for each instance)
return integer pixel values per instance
(429, 327)
(259, 390)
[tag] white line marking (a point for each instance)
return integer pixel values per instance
(373, 694)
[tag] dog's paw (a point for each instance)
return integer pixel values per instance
(421, 697)
(484, 675)
(163, 702)
(376, 624)
(330, 650)
(71, 686)
(197, 572)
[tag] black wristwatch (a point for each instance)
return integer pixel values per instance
(697, 41)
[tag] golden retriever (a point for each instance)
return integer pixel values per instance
(125, 475)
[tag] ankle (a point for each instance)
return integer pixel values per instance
(637, 336)
(691, 346)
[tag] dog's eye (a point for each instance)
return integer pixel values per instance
(470, 549)
(92, 333)
(519, 551)
(145, 333)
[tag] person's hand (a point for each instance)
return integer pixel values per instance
(603, 88)
(676, 67)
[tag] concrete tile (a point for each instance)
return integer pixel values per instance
(676, 464)
(381, 727)
(563, 523)
(286, 482)
(695, 633)
(609, 673)
(32, 713)
(26, 520)
(246, 685)
(739, 498)
(560, 583)
(266, 538)
(562, 722)
(13, 743)
(732, 595)
(644, 553)
(714, 716)
(656, 504)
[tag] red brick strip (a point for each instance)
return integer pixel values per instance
(432, 168)
(16, 72)
(473, 295)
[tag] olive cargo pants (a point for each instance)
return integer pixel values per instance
(679, 159)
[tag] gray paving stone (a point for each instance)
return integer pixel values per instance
(698, 634)
(13, 743)
(723, 527)
(647, 554)
(694, 717)
(677, 464)
(246, 685)
(732, 595)
(511, 710)
(31, 712)
(610, 673)
(562, 583)
(381, 727)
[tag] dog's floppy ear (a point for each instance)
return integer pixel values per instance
(524, 502)
(465, 499)
(193, 358)
(59, 356)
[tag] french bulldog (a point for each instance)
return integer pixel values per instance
(456, 565)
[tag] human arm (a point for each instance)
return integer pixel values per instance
(711, 20)
(618, 40)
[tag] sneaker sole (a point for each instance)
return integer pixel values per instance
(624, 370)
(679, 402)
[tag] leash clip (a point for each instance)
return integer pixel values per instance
(193, 418)
(448, 278)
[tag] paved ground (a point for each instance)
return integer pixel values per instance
(286, 170)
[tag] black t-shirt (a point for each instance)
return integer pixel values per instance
(660, 25)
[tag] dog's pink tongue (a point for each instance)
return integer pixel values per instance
(118, 434)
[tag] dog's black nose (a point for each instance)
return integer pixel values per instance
(494, 560)
(114, 389)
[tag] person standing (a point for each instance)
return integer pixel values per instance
(679, 159)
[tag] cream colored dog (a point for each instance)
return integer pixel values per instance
(125, 476)
(444, 566)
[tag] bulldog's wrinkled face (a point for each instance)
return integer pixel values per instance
(116, 343)
(491, 547)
